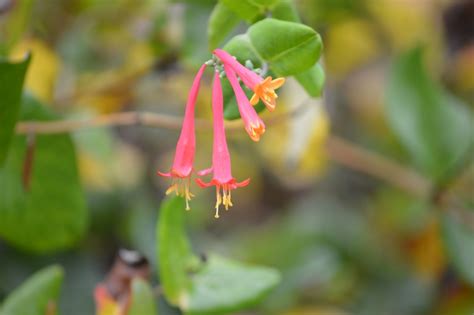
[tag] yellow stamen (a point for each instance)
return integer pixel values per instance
(173, 187)
(227, 197)
(181, 187)
(187, 194)
(218, 202)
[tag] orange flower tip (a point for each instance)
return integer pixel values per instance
(278, 82)
(254, 100)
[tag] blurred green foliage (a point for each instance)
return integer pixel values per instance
(346, 237)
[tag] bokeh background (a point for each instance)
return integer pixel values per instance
(336, 202)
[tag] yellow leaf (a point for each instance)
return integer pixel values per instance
(348, 45)
(43, 70)
(295, 150)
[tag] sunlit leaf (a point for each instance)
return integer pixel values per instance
(143, 300)
(35, 296)
(44, 198)
(223, 286)
(12, 75)
(434, 127)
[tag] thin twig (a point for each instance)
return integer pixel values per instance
(147, 119)
(371, 163)
(340, 150)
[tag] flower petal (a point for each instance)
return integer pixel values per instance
(164, 174)
(205, 172)
(254, 100)
(203, 184)
(242, 183)
(278, 82)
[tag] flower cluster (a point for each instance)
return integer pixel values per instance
(222, 179)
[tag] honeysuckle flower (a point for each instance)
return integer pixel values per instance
(221, 166)
(264, 89)
(185, 148)
(253, 124)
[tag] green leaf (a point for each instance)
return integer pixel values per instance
(434, 128)
(195, 47)
(288, 47)
(12, 76)
(285, 10)
(49, 204)
(143, 300)
(223, 286)
(221, 22)
(214, 287)
(459, 240)
(312, 80)
(246, 9)
(35, 295)
(266, 4)
(14, 25)
(174, 252)
(240, 47)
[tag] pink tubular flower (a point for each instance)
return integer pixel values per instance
(264, 89)
(253, 124)
(221, 168)
(185, 148)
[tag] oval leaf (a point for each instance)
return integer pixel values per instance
(47, 200)
(419, 112)
(288, 47)
(174, 252)
(12, 76)
(223, 286)
(36, 295)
